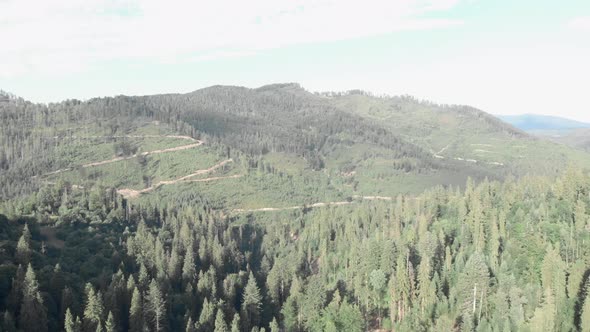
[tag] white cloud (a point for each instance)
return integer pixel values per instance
(580, 23)
(64, 36)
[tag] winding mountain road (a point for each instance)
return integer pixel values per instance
(117, 159)
(132, 193)
(314, 205)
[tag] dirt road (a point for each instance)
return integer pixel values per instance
(132, 193)
(117, 159)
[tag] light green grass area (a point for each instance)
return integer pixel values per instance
(255, 190)
(137, 173)
(287, 163)
(80, 151)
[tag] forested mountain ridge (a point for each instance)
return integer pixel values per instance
(235, 209)
(380, 141)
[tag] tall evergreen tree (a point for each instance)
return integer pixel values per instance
(220, 325)
(585, 315)
(136, 312)
(23, 247)
(251, 303)
(188, 268)
(94, 309)
(235, 323)
(70, 322)
(156, 306)
(110, 325)
(33, 315)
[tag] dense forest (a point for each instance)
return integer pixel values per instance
(507, 256)
(494, 253)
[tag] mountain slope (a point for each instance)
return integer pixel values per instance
(288, 146)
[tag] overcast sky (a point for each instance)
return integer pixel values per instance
(502, 56)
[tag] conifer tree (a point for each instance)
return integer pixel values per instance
(220, 325)
(156, 306)
(93, 311)
(33, 316)
(472, 287)
(544, 316)
(188, 267)
(580, 217)
(70, 322)
(23, 247)
(110, 325)
(274, 326)
(251, 303)
(136, 312)
(378, 281)
(190, 325)
(585, 315)
(207, 315)
(426, 290)
(235, 323)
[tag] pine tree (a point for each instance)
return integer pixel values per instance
(580, 217)
(274, 326)
(553, 275)
(136, 312)
(400, 289)
(220, 325)
(378, 281)
(70, 322)
(544, 316)
(188, 267)
(235, 323)
(156, 306)
(426, 291)
(494, 244)
(207, 315)
(313, 301)
(23, 247)
(93, 312)
(143, 277)
(33, 316)
(472, 287)
(251, 303)
(174, 264)
(110, 325)
(190, 325)
(585, 316)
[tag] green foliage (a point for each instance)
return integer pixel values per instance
(155, 306)
(251, 303)
(33, 315)
(585, 317)
(500, 256)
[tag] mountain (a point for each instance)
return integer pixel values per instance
(560, 130)
(277, 209)
(351, 143)
(530, 122)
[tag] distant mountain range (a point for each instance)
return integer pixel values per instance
(530, 122)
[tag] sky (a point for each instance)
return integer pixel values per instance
(501, 56)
